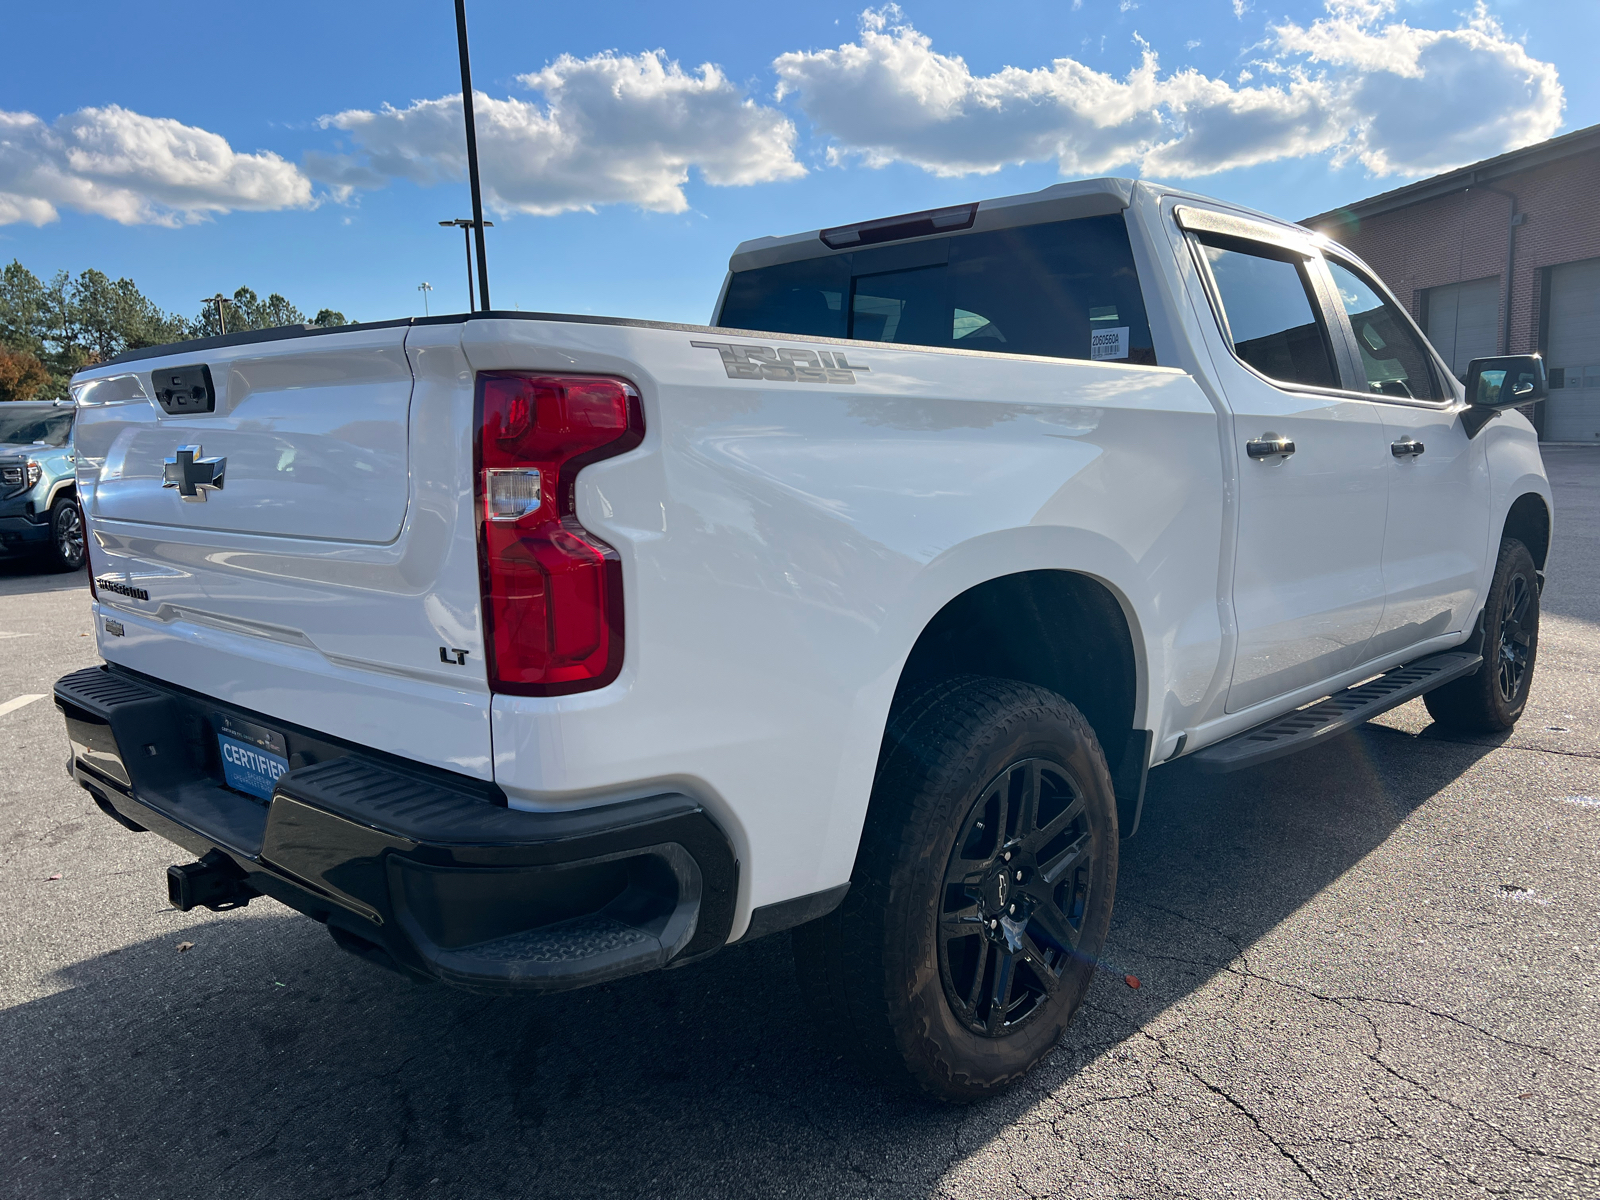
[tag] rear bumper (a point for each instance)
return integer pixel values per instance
(417, 868)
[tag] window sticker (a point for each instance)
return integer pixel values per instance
(1108, 343)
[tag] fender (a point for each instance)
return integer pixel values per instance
(67, 484)
(1175, 653)
(1515, 470)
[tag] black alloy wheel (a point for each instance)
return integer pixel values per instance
(66, 535)
(1492, 698)
(942, 971)
(1016, 891)
(1513, 660)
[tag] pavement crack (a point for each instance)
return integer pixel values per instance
(1551, 750)
(1246, 970)
(1242, 1109)
(1377, 1060)
(1344, 1000)
(257, 1151)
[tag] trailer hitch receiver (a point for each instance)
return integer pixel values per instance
(213, 882)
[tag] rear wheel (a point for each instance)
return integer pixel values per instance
(66, 535)
(1492, 698)
(981, 895)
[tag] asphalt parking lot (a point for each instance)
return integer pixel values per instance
(1370, 970)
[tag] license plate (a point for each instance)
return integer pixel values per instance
(252, 756)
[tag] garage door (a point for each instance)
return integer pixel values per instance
(1572, 414)
(1464, 321)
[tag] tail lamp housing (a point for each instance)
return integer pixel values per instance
(552, 591)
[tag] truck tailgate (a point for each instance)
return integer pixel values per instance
(331, 581)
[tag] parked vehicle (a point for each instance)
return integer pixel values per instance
(39, 511)
(527, 651)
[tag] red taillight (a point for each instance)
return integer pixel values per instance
(552, 591)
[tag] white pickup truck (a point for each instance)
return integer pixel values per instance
(526, 651)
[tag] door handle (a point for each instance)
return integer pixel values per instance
(1406, 448)
(1269, 445)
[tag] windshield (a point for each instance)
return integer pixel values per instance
(51, 426)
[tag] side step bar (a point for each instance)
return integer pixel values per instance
(1311, 726)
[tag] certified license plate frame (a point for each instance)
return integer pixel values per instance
(253, 756)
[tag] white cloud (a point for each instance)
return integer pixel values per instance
(1221, 127)
(342, 173)
(1356, 84)
(134, 169)
(1426, 100)
(890, 96)
(615, 129)
(1400, 100)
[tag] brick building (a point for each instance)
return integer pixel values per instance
(1448, 246)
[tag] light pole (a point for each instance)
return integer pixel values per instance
(425, 288)
(218, 301)
(472, 154)
(466, 224)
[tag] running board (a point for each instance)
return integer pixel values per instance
(1340, 713)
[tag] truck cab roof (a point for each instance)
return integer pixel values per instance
(1058, 202)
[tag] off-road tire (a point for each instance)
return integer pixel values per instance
(67, 550)
(1483, 702)
(871, 970)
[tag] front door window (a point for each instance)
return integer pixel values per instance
(1392, 355)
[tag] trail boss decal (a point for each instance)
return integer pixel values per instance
(785, 364)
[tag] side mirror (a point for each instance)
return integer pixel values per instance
(1496, 384)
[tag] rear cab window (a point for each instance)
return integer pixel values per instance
(1067, 289)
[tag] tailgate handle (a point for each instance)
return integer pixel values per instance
(184, 390)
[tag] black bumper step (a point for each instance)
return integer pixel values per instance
(405, 862)
(1340, 713)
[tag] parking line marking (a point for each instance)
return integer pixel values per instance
(4, 634)
(11, 706)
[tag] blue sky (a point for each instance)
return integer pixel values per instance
(201, 146)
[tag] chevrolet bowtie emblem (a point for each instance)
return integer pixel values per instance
(192, 475)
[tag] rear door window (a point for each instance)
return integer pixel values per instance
(1392, 355)
(1068, 289)
(1273, 316)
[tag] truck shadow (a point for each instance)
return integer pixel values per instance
(265, 1062)
(33, 574)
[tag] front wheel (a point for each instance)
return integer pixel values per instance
(1492, 698)
(981, 895)
(66, 535)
